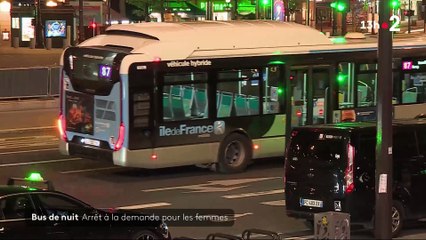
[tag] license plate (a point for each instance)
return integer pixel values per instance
(91, 142)
(311, 203)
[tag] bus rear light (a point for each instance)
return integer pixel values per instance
(157, 59)
(349, 172)
(120, 139)
(256, 146)
(154, 156)
(62, 127)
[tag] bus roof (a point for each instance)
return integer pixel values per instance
(180, 40)
(216, 39)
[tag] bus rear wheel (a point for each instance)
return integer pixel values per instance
(234, 154)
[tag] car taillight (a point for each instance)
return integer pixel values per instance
(62, 127)
(349, 172)
(120, 139)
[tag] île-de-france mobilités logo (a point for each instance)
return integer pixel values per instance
(219, 127)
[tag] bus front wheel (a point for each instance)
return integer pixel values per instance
(234, 154)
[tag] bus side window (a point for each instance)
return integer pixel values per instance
(188, 100)
(225, 105)
(366, 85)
(253, 103)
(241, 107)
(177, 107)
(200, 109)
(271, 101)
(413, 89)
(345, 83)
(167, 111)
(185, 96)
(238, 92)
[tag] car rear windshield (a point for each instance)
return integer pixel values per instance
(315, 147)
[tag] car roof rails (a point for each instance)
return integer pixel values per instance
(33, 178)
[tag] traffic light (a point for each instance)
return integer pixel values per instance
(408, 13)
(395, 4)
(92, 25)
(265, 2)
(339, 5)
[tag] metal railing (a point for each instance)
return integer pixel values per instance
(19, 83)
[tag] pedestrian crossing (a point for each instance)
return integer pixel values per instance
(279, 203)
(254, 194)
(275, 203)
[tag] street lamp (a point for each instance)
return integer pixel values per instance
(228, 2)
(80, 21)
(108, 15)
(264, 4)
(5, 6)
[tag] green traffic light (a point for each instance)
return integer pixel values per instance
(280, 91)
(339, 6)
(265, 2)
(395, 4)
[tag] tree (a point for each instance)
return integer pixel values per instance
(139, 10)
(359, 12)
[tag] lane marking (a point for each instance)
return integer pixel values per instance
(238, 215)
(274, 203)
(89, 170)
(254, 194)
(27, 151)
(147, 205)
(206, 187)
(232, 182)
(300, 238)
(39, 162)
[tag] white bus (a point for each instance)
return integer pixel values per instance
(155, 95)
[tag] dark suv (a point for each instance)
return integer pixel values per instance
(332, 168)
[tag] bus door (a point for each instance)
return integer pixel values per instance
(310, 91)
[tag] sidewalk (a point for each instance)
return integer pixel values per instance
(415, 230)
(6, 48)
(25, 57)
